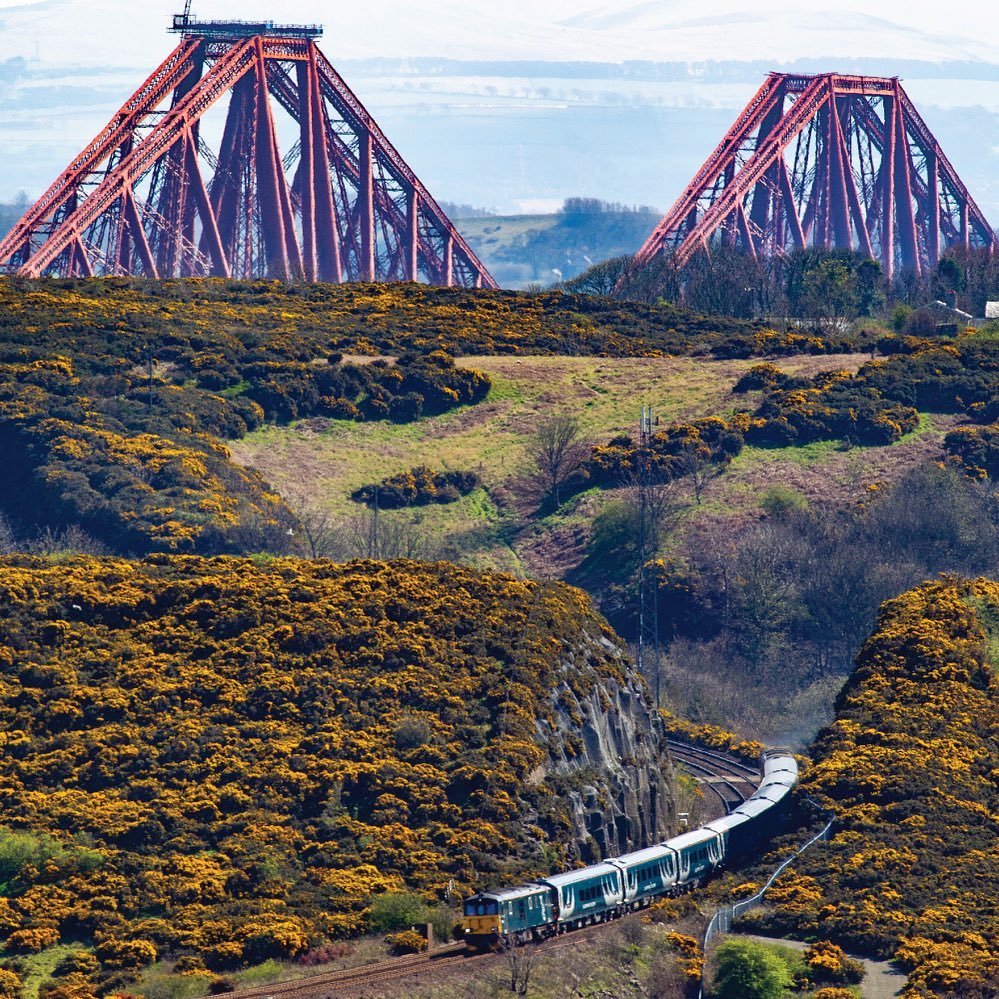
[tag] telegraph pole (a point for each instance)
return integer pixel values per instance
(649, 654)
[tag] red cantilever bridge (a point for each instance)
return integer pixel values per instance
(244, 155)
(830, 161)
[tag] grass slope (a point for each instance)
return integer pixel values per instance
(323, 463)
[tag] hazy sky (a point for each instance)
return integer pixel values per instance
(518, 137)
(121, 32)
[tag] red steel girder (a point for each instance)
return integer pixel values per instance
(150, 196)
(117, 134)
(831, 161)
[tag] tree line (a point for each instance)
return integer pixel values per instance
(813, 284)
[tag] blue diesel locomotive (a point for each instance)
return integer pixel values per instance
(595, 894)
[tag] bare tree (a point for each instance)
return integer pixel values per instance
(521, 962)
(600, 279)
(555, 450)
(665, 506)
(697, 467)
(71, 540)
(320, 534)
(8, 539)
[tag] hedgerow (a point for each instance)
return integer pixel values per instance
(232, 759)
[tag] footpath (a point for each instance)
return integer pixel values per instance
(882, 981)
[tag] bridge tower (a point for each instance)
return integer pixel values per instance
(824, 161)
(244, 155)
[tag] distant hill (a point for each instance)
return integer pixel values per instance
(9, 214)
(521, 250)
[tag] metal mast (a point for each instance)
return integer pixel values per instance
(649, 653)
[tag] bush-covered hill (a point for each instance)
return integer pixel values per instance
(229, 759)
(226, 418)
(116, 395)
(180, 320)
(910, 768)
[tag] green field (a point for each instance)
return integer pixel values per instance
(319, 463)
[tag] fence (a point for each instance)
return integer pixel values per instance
(721, 921)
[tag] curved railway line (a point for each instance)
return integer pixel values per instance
(715, 771)
(728, 778)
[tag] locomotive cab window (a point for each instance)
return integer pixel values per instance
(481, 907)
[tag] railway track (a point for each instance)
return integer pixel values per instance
(729, 779)
(331, 984)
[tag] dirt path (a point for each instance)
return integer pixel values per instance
(882, 981)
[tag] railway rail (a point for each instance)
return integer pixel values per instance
(715, 771)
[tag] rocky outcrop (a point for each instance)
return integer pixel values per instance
(607, 755)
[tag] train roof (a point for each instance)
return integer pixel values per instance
(726, 824)
(517, 891)
(778, 763)
(646, 856)
(582, 874)
(693, 838)
(771, 787)
(754, 807)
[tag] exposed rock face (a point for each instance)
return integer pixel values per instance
(620, 778)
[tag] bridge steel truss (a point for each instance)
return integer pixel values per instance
(152, 196)
(824, 161)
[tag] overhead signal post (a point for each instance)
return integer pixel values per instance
(190, 179)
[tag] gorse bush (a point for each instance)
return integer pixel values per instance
(264, 756)
(133, 454)
(875, 407)
(419, 486)
(908, 768)
(976, 450)
(211, 329)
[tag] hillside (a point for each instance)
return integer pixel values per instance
(228, 418)
(227, 761)
(774, 563)
(520, 250)
(909, 769)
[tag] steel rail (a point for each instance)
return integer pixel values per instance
(704, 768)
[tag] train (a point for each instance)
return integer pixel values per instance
(558, 903)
